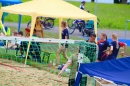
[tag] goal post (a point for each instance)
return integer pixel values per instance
(43, 52)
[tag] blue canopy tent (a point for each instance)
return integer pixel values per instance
(117, 71)
(11, 2)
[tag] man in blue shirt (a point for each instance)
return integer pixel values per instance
(64, 46)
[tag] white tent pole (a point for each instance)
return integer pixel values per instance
(60, 29)
(96, 8)
(31, 33)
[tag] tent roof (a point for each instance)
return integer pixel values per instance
(49, 8)
(11, 1)
(117, 70)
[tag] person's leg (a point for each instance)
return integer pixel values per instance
(10, 45)
(37, 54)
(71, 82)
(83, 81)
(21, 50)
(64, 53)
(58, 54)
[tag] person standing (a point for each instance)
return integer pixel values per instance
(90, 49)
(115, 47)
(92, 38)
(63, 47)
(82, 5)
(39, 28)
(103, 44)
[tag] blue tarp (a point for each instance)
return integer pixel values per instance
(11, 2)
(117, 70)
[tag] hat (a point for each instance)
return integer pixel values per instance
(83, 2)
(28, 30)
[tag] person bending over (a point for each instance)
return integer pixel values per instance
(73, 61)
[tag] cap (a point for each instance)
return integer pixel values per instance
(28, 30)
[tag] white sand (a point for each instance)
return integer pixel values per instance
(18, 76)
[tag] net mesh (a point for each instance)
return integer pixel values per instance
(41, 67)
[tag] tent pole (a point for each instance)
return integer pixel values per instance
(95, 29)
(31, 33)
(60, 29)
(1, 13)
(19, 22)
(126, 26)
(96, 8)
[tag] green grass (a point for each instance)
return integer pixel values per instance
(112, 16)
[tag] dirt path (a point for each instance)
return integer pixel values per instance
(12, 75)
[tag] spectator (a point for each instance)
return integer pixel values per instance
(64, 46)
(39, 28)
(27, 32)
(13, 44)
(103, 44)
(74, 65)
(24, 44)
(90, 50)
(92, 38)
(20, 33)
(34, 50)
(15, 33)
(82, 5)
(115, 46)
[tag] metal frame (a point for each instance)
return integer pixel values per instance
(51, 40)
(96, 80)
(126, 26)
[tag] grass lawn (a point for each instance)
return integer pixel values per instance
(112, 16)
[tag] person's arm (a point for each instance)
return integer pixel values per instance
(124, 45)
(42, 31)
(65, 66)
(110, 49)
(66, 34)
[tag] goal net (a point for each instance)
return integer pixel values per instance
(35, 62)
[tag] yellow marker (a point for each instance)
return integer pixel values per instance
(1, 25)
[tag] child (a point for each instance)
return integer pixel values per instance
(73, 61)
(115, 47)
(64, 46)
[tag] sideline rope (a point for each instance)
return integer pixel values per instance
(11, 67)
(102, 26)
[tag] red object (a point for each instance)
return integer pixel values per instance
(28, 30)
(100, 41)
(121, 44)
